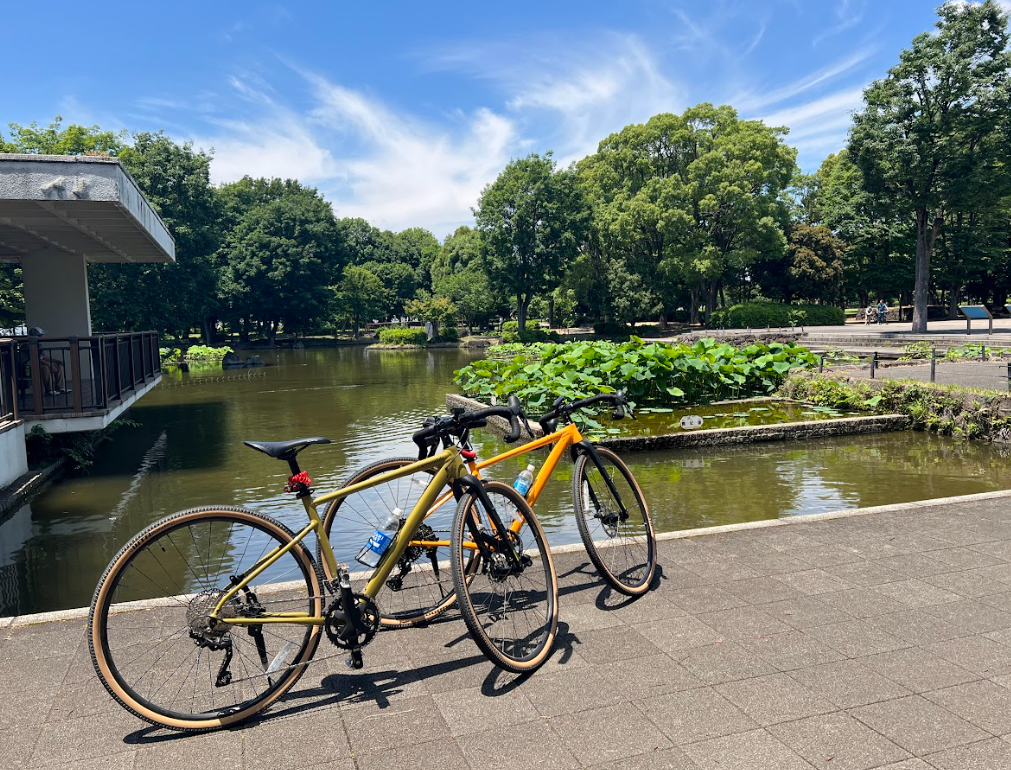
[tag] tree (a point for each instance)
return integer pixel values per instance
(358, 297)
(171, 297)
(532, 220)
(935, 132)
(690, 199)
(815, 259)
(280, 258)
(457, 273)
(56, 140)
(399, 280)
(440, 311)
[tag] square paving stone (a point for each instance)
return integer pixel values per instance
(917, 725)
(908, 764)
(967, 583)
(838, 742)
(861, 602)
(917, 564)
(747, 751)
(848, 683)
(977, 654)
(993, 754)
(856, 638)
(972, 616)
(568, 691)
(695, 715)
(917, 627)
(964, 558)
(725, 662)
(609, 733)
(774, 698)
(760, 590)
(435, 755)
(371, 731)
(722, 569)
(828, 556)
(639, 678)
(195, 751)
(813, 581)
(662, 759)
(791, 650)
(707, 598)
(645, 609)
(744, 622)
(983, 703)
(916, 593)
(470, 711)
(918, 670)
(806, 612)
(675, 635)
(79, 739)
(609, 644)
(866, 573)
(531, 744)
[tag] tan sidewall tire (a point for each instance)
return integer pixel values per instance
(98, 654)
(577, 500)
(463, 596)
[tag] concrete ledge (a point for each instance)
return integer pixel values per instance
(81, 613)
(29, 484)
(790, 431)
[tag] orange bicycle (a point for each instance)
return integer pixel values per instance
(611, 513)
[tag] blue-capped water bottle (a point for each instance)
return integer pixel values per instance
(380, 540)
(524, 481)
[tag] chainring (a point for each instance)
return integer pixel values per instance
(337, 623)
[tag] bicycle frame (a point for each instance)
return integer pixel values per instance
(449, 468)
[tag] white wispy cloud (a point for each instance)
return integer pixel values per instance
(848, 13)
(819, 126)
(757, 99)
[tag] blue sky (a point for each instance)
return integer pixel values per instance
(400, 112)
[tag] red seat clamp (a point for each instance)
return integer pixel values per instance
(468, 454)
(298, 482)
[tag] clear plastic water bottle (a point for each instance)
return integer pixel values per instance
(380, 540)
(524, 481)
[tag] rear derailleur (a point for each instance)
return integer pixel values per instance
(352, 620)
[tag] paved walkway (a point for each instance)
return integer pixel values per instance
(989, 375)
(868, 641)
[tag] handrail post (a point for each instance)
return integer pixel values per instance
(75, 374)
(874, 363)
(33, 361)
(933, 363)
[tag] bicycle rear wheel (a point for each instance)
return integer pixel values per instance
(420, 588)
(151, 641)
(511, 612)
(617, 532)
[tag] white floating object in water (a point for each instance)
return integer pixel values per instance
(691, 422)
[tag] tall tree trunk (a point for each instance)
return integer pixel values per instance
(710, 299)
(521, 313)
(271, 332)
(551, 311)
(663, 321)
(953, 303)
(926, 234)
(694, 317)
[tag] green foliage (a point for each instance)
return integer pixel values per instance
(358, 297)
(651, 373)
(915, 351)
(206, 353)
(401, 335)
(440, 311)
(759, 314)
(77, 448)
(514, 326)
(170, 356)
(56, 140)
(533, 333)
(532, 220)
(610, 329)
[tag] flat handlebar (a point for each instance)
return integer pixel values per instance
(460, 421)
(563, 408)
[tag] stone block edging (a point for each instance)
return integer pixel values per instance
(81, 613)
(843, 426)
(28, 484)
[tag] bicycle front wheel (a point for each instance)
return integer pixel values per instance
(614, 522)
(155, 648)
(511, 611)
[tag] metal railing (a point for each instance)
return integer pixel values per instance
(81, 375)
(8, 388)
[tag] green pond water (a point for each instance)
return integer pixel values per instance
(188, 451)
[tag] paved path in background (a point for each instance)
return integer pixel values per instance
(991, 375)
(878, 640)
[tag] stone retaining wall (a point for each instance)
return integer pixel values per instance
(792, 431)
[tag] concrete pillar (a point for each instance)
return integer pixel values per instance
(56, 293)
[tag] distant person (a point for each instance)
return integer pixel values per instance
(882, 312)
(869, 315)
(50, 370)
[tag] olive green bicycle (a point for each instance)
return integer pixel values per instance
(210, 615)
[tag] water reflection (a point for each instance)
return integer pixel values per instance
(189, 452)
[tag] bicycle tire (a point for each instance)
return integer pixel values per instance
(638, 575)
(426, 599)
(104, 658)
(481, 605)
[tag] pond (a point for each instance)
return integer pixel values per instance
(188, 451)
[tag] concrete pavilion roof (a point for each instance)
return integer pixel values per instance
(80, 205)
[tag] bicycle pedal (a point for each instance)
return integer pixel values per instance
(355, 660)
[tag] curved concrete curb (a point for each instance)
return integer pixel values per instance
(81, 613)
